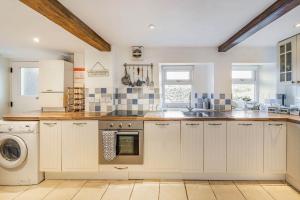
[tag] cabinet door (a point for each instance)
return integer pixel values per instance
(287, 58)
(80, 145)
(50, 146)
(274, 147)
(293, 153)
(215, 146)
(192, 146)
(162, 145)
(245, 147)
(51, 76)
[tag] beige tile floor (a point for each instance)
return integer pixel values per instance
(151, 190)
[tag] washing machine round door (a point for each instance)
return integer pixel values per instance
(13, 151)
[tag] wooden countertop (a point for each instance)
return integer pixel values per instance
(151, 116)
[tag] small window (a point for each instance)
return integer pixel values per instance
(29, 81)
(242, 75)
(244, 85)
(176, 86)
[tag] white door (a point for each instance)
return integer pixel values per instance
(215, 146)
(245, 147)
(24, 87)
(274, 147)
(162, 146)
(80, 146)
(50, 146)
(192, 146)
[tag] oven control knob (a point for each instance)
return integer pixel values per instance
(111, 125)
(120, 125)
(129, 125)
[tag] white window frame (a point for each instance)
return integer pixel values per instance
(175, 68)
(253, 80)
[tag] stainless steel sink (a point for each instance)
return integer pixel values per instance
(195, 114)
(203, 114)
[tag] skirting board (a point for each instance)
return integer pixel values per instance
(292, 181)
(162, 175)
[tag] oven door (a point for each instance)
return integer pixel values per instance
(127, 143)
(129, 148)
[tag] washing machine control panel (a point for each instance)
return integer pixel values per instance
(20, 128)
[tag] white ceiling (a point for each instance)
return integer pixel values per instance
(125, 22)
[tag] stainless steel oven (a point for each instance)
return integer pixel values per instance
(129, 146)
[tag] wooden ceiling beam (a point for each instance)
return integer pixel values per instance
(276, 10)
(57, 13)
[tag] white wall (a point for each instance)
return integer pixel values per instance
(222, 61)
(91, 57)
(267, 82)
(4, 85)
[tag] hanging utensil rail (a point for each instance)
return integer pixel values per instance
(138, 65)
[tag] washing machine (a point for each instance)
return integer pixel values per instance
(19, 153)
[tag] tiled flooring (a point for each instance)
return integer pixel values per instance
(151, 190)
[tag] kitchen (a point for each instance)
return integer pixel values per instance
(106, 100)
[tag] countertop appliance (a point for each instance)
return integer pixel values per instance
(129, 141)
(19, 153)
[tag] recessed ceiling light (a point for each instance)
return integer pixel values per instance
(36, 40)
(298, 25)
(151, 26)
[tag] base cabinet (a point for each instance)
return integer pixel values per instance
(293, 154)
(192, 146)
(50, 146)
(245, 147)
(80, 146)
(215, 147)
(275, 147)
(162, 145)
(69, 146)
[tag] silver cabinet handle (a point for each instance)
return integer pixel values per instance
(162, 124)
(275, 124)
(192, 124)
(79, 123)
(245, 124)
(121, 168)
(215, 124)
(50, 123)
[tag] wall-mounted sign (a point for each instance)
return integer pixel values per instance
(98, 70)
(137, 52)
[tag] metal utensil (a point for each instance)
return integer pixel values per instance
(130, 82)
(152, 82)
(147, 78)
(143, 82)
(138, 82)
(126, 78)
(133, 76)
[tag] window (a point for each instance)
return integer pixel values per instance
(176, 85)
(244, 85)
(29, 81)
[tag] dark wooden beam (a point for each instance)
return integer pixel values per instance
(56, 12)
(276, 10)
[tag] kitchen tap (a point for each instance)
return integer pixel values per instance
(189, 107)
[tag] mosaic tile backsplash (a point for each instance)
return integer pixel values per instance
(144, 98)
(220, 101)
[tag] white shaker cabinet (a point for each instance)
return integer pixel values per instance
(50, 146)
(80, 146)
(215, 147)
(245, 147)
(293, 154)
(162, 145)
(274, 147)
(192, 146)
(55, 75)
